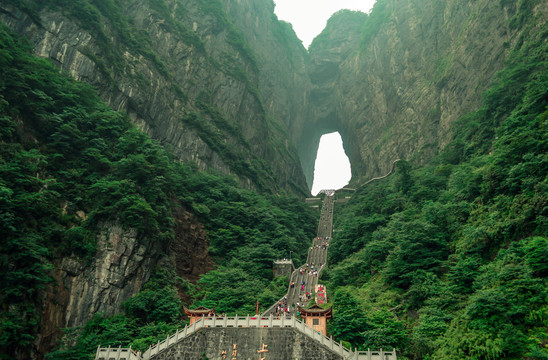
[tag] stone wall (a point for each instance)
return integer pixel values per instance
(283, 343)
(283, 267)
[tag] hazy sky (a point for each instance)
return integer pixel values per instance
(332, 169)
(309, 17)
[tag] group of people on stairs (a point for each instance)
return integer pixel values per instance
(304, 279)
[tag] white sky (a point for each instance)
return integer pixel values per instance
(332, 168)
(309, 17)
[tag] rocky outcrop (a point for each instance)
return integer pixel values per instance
(227, 85)
(122, 264)
(83, 287)
(188, 250)
(120, 267)
(416, 69)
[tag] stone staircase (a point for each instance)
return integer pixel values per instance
(317, 255)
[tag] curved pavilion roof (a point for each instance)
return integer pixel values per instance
(316, 310)
(199, 311)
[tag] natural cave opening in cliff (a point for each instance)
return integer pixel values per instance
(332, 167)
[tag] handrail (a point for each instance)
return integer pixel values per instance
(247, 322)
(266, 322)
(255, 321)
(118, 353)
(382, 177)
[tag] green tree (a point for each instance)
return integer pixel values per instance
(349, 321)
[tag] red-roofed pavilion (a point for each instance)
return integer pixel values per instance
(316, 317)
(198, 313)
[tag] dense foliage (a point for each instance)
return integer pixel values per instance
(350, 21)
(115, 34)
(69, 166)
(448, 260)
(442, 261)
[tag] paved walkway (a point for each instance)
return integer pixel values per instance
(309, 273)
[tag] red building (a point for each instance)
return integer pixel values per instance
(316, 317)
(198, 313)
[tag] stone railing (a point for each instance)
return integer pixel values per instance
(267, 322)
(244, 322)
(284, 261)
(118, 353)
(373, 355)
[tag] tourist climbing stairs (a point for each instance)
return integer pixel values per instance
(305, 278)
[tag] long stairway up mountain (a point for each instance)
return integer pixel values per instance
(283, 336)
(304, 279)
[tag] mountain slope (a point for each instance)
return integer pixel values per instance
(109, 223)
(419, 67)
(187, 75)
(96, 215)
(443, 260)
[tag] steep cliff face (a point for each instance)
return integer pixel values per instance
(187, 75)
(418, 68)
(229, 86)
(118, 270)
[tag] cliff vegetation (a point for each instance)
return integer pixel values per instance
(447, 260)
(205, 76)
(69, 164)
(112, 220)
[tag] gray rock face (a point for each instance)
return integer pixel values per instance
(392, 83)
(122, 264)
(83, 288)
(179, 58)
(119, 269)
(414, 69)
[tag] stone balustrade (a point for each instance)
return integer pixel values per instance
(267, 320)
(118, 353)
(245, 322)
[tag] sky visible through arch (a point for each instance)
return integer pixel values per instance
(332, 167)
(309, 17)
